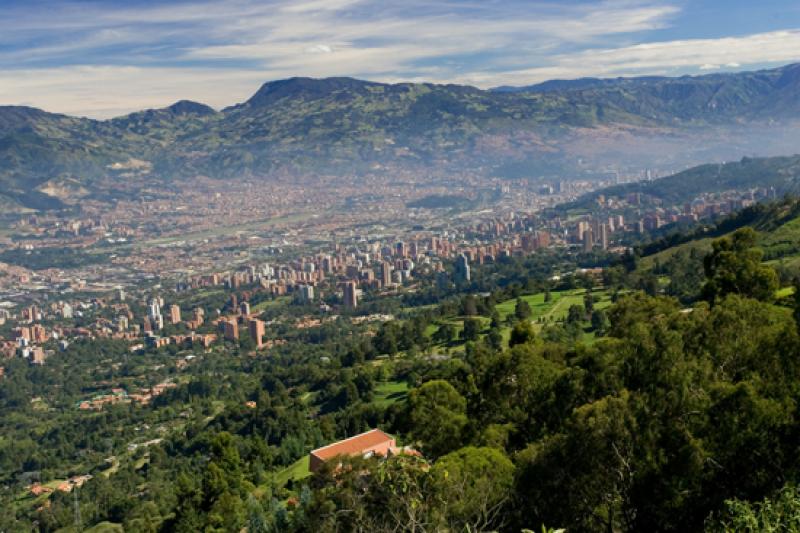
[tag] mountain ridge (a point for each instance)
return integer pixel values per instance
(344, 125)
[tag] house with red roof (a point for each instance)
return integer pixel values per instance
(368, 444)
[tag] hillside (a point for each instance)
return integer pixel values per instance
(782, 173)
(676, 259)
(746, 95)
(345, 126)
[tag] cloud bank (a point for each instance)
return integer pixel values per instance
(100, 59)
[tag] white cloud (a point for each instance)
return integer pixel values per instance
(667, 57)
(220, 52)
(104, 92)
(319, 49)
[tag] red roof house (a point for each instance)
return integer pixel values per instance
(373, 442)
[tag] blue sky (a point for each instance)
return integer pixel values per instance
(103, 58)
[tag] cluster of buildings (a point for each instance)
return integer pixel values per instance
(118, 395)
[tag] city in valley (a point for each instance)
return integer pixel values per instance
(100, 272)
(354, 266)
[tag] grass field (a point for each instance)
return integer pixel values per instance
(542, 312)
(295, 471)
(784, 292)
(258, 308)
(557, 308)
(389, 393)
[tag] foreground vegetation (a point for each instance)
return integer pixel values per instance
(537, 400)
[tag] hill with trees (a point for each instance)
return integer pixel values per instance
(344, 126)
(539, 395)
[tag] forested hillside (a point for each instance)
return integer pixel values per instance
(780, 173)
(538, 395)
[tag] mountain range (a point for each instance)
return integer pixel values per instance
(346, 126)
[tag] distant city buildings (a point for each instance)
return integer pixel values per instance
(230, 330)
(256, 329)
(174, 314)
(350, 294)
(462, 269)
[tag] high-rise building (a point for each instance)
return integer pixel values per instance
(37, 356)
(305, 293)
(154, 315)
(462, 268)
(244, 308)
(588, 240)
(154, 308)
(174, 314)
(604, 236)
(434, 245)
(256, 328)
(350, 294)
(400, 249)
(542, 239)
(38, 333)
(386, 274)
(231, 330)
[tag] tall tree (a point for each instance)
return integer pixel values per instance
(522, 309)
(437, 413)
(734, 267)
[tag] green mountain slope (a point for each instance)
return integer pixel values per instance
(677, 258)
(782, 173)
(746, 95)
(343, 125)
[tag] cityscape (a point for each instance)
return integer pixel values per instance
(352, 266)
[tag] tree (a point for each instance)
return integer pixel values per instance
(599, 322)
(495, 338)
(521, 334)
(437, 413)
(796, 311)
(495, 323)
(469, 307)
(575, 314)
(582, 478)
(734, 267)
(474, 484)
(472, 328)
(588, 302)
(445, 333)
(522, 310)
(781, 513)
(386, 339)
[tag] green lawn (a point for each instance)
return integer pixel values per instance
(784, 292)
(296, 471)
(558, 306)
(430, 329)
(258, 308)
(389, 393)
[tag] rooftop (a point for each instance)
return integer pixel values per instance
(352, 445)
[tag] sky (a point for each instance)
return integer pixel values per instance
(104, 58)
